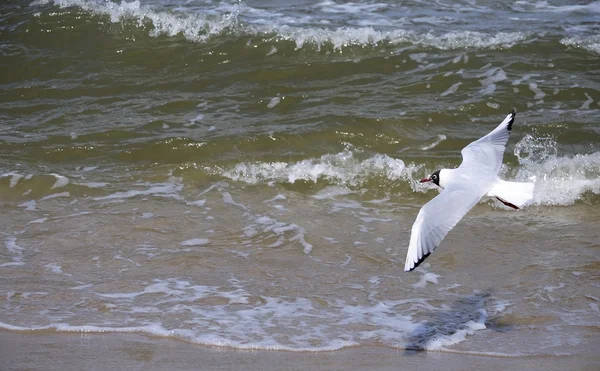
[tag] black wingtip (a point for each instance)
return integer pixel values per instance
(508, 203)
(513, 113)
(419, 262)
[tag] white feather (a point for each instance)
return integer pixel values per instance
(516, 193)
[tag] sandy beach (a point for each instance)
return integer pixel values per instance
(52, 351)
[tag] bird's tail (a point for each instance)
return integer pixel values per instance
(514, 194)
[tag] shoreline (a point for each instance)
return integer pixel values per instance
(100, 351)
(89, 331)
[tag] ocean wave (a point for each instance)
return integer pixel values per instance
(591, 43)
(561, 180)
(194, 27)
(201, 27)
(343, 168)
(271, 323)
(368, 36)
(544, 6)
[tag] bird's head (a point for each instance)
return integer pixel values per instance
(435, 178)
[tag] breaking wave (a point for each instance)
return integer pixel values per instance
(560, 180)
(201, 27)
(342, 168)
(591, 43)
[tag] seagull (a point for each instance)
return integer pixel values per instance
(463, 187)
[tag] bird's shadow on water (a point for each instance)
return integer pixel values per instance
(461, 316)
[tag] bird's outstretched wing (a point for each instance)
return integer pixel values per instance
(436, 219)
(485, 154)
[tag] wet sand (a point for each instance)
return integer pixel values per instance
(84, 351)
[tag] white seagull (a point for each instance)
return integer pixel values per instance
(463, 187)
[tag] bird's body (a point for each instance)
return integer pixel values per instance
(463, 187)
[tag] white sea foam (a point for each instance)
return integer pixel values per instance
(194, 27)
(550, 288)
(332, 192)
(55, 268)
(365, 36)
(592, 7)
(14, 179)
(11, 245)
(272, 228)
(330, 6)
(274, 101)
(345, 204)
(591, 43)
(242, 319)
(559, 180)
(586, 104)
(427, 277)
(200, 27)
(156, 189)
(440, 139)
(119, 257)
(195, 242)
(81, 287)
(468, 328)
(55, 195)
(228, 199)
(492, 76)
(29, 205)
(276, 198)
(201, 202)
(524, 78)
(93, 184)
(342, 168)
(16, 252)
(452, 89)
(157, 329)
(539, 94)
(38, 221)
(198, 117)
(61, 181)
(370, 219)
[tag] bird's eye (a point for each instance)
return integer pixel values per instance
(434, 177)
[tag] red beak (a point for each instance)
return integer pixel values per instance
(425, 180)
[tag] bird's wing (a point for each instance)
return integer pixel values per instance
(486, 153)
(437, 218)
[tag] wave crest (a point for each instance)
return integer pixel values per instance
(341, 168)
(559, 180)
(201, 27)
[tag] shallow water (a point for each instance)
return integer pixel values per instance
(246, 175)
